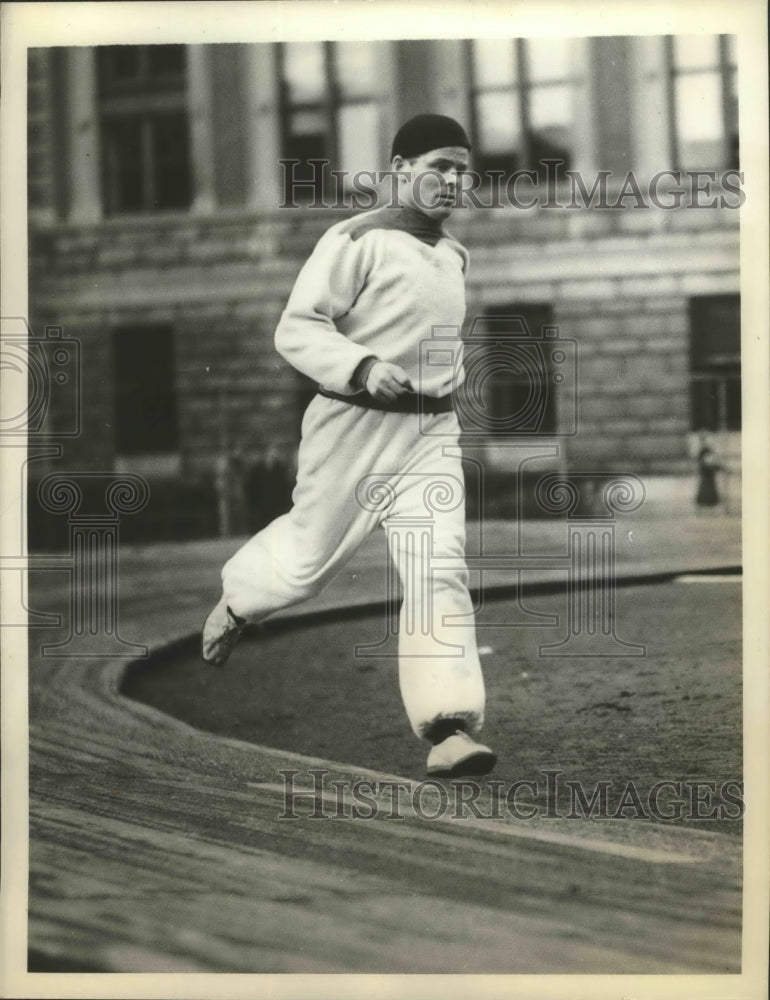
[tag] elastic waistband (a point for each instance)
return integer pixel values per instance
(410, 402)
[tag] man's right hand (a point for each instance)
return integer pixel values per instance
(386, 381)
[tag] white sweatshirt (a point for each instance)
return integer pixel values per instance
(378, 285)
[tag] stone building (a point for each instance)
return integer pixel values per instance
(162, 240)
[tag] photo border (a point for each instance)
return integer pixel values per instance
(28, 25)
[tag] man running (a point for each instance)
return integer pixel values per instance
(380, 443)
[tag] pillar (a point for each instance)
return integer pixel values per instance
(263, 128)
(201, 128)
(592, 574)
(83, 126)
(93, 553)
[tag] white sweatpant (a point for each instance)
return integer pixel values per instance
(358, 469)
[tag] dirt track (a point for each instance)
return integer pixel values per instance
(673, 714)
(157, 847)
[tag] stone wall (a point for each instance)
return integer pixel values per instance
(222, 281)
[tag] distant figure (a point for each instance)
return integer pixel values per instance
(708, 466)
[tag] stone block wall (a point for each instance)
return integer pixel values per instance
(220, 283)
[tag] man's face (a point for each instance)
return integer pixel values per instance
(431, 180)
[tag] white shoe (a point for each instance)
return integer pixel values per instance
(458, 755)
(221, 631)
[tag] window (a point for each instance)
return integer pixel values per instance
(704, 101)
(715, 363)
(329, 110)
(522, 96)
(144, 128)
(145, 400)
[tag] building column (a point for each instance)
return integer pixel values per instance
(387, 113)
(40, 148)
(201, 128)
(453, 80)
(584, 117)
(263, 128)
(610, 100)
(416, 86)
(83, 125)
(650, 108)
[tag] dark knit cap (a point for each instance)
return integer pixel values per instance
(425, 132)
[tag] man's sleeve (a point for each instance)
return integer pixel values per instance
(326, 288)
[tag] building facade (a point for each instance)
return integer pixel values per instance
(175, 191)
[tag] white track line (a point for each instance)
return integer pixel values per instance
(705, 578)
(502, 827)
